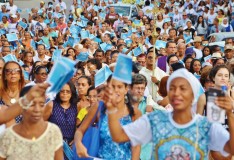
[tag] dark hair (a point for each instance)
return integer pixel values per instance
(138, 79)
(191, 65)
(170, 56)
(37, 70)
(114, 52)
(71, 49)
(169, 42)
(90, 89)
(40, 45)
(73, 99)
(25, 90)
(171, 29)
(204, 74)
(31, 75)
(187, 57)
(95, 62)
(87, 78)
(214, 61)
(129, 104)
(203, 23)
(99, 50)
(162, 90)
(214, 71)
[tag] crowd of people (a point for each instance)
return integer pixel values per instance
(177, 57)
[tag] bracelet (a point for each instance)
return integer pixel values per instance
(24, 103)
(112, 111)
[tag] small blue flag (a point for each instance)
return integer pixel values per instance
(26, 75)
(82, 56)
(124, 35)
(84, 34)
(58, 79)
(137, 51)
(123, 69)
(102, 75)
(23, 25)
(56, 55)
(160, 44)
(12, 37)
(10, 57)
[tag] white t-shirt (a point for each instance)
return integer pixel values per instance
(12, 9)
(140, 132)
(12, 28)
(36, 58)
(38, 26)
(63, 5)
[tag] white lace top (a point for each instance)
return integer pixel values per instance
(14, 146)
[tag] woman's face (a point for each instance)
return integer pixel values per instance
(120, 90)
(29, 57)
(93, 99)
(208, 83)
(12, 73)
(71, 52)
(187, 63)
(206, 52)
(65, 93)
(200, 19)
(35, 112)
(41, 75)
(222, 77)
(197, 66)
(179, 94)
(220, 62)
(83, 86)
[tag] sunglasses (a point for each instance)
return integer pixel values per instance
(12, 71)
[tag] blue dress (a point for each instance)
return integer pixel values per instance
(65, 119)
(109, 149)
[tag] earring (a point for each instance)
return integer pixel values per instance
(126, 99)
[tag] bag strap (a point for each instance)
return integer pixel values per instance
(98, 111)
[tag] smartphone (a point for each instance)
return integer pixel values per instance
(214, 112)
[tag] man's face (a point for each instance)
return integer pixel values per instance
(137, 92)
(172, 49)
(6, 51)
(172, 33)
(229, 41)
(41, 50)
(99, 56)
(229, 54)
(142, 61)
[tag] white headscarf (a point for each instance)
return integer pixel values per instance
(193, 81)
(225, 25)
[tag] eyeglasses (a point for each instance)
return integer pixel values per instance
(42, 74)
(12, 71)
(65, 91)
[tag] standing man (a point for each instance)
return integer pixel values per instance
(153, 79)
(11, 8)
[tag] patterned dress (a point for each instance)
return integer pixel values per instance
(171, 142)
(109, 149)
(65, 119)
